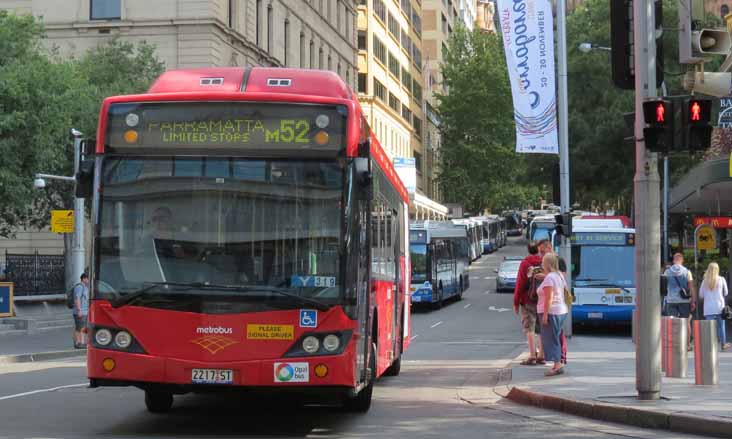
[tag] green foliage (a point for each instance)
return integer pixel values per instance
(41, 98)
(479, 168)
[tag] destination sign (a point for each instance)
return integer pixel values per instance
(603, 238)
(241, 125)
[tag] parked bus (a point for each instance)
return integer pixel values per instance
(513, 223)
(439, 252)
(603, 269)
(541, 227)
(473, 232)
(249, 233)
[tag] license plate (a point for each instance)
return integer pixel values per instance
(212, 376)
(594, 315)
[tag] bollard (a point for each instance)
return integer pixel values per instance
(676, 342)
(706, 360)
(664, 351)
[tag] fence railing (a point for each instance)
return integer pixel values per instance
(35, 274)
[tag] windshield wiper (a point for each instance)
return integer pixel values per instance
(126, 299)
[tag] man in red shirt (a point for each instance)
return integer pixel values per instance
(524, 307)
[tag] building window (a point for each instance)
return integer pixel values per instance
(105, 10)
(407, 7)
(348, 76)
(231, 11)
(380, 10)
(330, 63)
(406, 42)
(379, 90)
(724, 10)
(320, 58)
(417, 124)
(379, 50)
(287, 39)
(417, 91)
(312, 54)
(302, 50)
(417, 57)
(363, 83)
(362, 40)
(270, 29)
(338, 69)
(394, 102)
(258, 27)
(416, 22)
(407, 114)
(394, 67)
(418, 161)
(444, 24)
(338, 15)
(406, 79)
(394, 26)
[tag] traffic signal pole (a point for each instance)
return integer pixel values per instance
(563, 122)
(647, 207)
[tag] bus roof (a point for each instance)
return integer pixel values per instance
(601, 222)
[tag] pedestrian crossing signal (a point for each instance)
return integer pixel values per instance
(698, 111)
(657, 112)
(698, 128)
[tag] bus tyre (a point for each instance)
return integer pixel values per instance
(396, 365)
(361, 403)
(460, 291)
(158, 402)
(440, 299)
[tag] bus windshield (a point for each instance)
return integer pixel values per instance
(220, 220)
(542, 231)
(418, 255)
(603, 266)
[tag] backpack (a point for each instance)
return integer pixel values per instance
(533, 285)
(70, 297)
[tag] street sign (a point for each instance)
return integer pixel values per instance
(62, 221)
(706, 238)
(725, 113)
(6, 299)
(718, 222)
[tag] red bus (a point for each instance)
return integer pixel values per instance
(250, 233)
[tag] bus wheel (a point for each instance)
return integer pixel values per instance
(440, 299)
(361, 403)
(158, 402)
(396, 365)
(460, 291)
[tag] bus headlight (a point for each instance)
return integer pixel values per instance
(310, 344)
(331, 343)
(103, 337)
(123, 339)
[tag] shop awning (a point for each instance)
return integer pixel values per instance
(706, 189)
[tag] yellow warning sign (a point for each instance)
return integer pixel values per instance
(256, 331)
(706, 238)
(62, 221)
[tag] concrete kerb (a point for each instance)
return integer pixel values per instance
(41, 356)
(644, 418)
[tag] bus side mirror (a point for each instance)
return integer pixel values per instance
(85, 179)
(362, 174)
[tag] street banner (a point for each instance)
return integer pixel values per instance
(528, 39)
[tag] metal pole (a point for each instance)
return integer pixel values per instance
(78, 257)
(563, 121)
(647, 205)
(664, 241)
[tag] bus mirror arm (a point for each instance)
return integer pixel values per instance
(362, 168)
(85, 179)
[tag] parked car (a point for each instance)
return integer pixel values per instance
(507, 273)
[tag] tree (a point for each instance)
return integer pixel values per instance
(479, 168)
(41, 98)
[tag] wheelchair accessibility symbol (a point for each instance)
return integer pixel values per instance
(308, 318)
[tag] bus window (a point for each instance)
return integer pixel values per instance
(603, 266)
(420, 264)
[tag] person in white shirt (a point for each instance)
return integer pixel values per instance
(552, 312)
(713, 291)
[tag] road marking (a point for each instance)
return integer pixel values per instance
(474, 277)
(493, 308)
(436, 324)
(483, 342)
(33, 392)
(468, 306)
(413, 337)
(487, 292)
(489, 277)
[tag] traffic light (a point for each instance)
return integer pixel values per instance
(563, 224)
(658, 114)
(697, 122)
(621, 43)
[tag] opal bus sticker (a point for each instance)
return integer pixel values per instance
(258, 331)
(291, 372)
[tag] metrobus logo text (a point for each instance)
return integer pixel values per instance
(214, 330)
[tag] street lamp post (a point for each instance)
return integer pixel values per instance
(78, 256)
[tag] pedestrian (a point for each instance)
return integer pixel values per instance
(545, 247)
(526, 308)
(81, 311)
(681, 297)
(552, 312)
(713, 291)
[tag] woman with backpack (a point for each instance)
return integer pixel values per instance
(713, 291)
(552, 308)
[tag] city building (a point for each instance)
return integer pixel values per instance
(485, 15)
(390, 86)
(314, 34)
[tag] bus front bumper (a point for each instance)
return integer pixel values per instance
(602, 313)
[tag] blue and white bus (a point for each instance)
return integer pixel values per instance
(541, 227)
(603, 270)
(440, 257)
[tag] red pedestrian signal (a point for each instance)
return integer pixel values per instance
(660, 111)
(695, 112)
(698, 111)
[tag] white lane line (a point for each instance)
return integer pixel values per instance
(468, 306)
(436, 324)
(474, 278)
(483, 342)
(489, 277)
(487, 292)
(413, 337)
(33, 392)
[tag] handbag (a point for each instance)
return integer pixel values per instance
(727, 313)
(683, 292)
(568, 296)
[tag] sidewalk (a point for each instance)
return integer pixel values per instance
(37, 347)
(600, 383)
